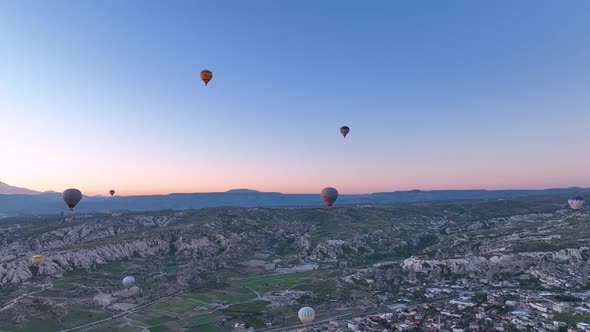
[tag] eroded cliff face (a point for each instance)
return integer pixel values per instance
(80, 246)
(200, 246)
(476, 264)
(207, 240)
(79, 233)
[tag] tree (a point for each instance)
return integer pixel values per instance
(480, 297)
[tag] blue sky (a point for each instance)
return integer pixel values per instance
(438, 94)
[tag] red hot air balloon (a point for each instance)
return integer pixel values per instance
(344, 131)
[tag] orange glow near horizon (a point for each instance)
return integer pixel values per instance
(142, 170)
(297, 184)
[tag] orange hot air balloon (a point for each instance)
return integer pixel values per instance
(37, 260)
(206, 76)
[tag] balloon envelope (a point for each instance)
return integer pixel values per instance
(37, 260)
(306, 315)
(112, 192)
(72, 197)
(344, 131)
(206, 76)
(576, 202)
(329, 195)
(128, 281)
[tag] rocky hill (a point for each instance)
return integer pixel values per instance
(170, 251)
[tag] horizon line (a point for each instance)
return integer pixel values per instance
(245, 191)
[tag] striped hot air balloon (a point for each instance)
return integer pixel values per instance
(576, 202)
(306, 315)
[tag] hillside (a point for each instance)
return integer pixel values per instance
(209, 254)
(6, 189)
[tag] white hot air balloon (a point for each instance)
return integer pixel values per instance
(128, 281)
(576, 202)
(306, 315)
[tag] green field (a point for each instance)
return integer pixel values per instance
(159, 328)
(33, 326)
(250, 307)
(201, 319)
(226, 295)
(571, 319)
(201, 297)
(159, 320)
(175, 304)
(205, 328)
(73, 319)
(77, 318)
(276, 282)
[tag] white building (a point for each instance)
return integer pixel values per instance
(353, 327)
(538, 306)
(561, 306)
(462, 304)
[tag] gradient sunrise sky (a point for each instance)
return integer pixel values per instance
(438, 94)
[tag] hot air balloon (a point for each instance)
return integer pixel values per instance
(329, 195)
(576, 202)
(128, 281)
(344, 131)
(72, 197)
(71, 219)
(206, 76)
(37, 260)
(112, 192)
(306, 315)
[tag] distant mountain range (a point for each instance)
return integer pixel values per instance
(26, 201)
(6, 189)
